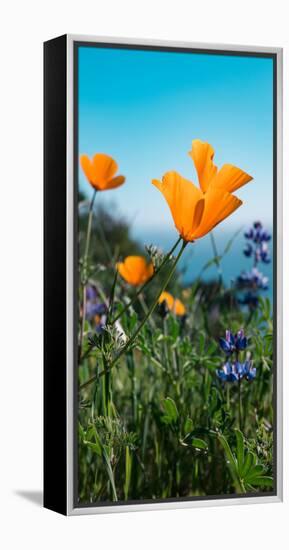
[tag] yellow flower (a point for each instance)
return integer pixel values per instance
(100, 172)
(174, 304)
(197, 211)
(135, 270)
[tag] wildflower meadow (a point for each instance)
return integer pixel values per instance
(175, 379)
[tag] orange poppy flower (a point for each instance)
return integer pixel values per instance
(100, 171)
(197, 211)
(135, 270)
(174, 304)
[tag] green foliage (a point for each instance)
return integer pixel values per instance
(246, 473)
(160, 424)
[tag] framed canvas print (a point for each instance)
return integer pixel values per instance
(163, 285)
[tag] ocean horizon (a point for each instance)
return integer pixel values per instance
(198, 254)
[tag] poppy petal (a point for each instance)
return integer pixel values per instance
(168, 298)
(113, 183)
(230, 178)
(182, 197)
(123, 271)
(218, 206)
(150, 270)
(179, 308)
(135, 270)
(104, 168)
(87, 168)
(202, 154)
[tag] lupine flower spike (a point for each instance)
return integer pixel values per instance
(234, 370)
(257, 247)
(232, 343)
(95, 311)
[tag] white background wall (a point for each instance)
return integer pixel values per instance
(24, 26)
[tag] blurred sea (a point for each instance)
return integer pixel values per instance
(198, 254)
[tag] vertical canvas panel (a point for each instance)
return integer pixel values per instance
(55, 275)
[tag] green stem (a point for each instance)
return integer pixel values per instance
(216, 258)
(104, 242)
(240, 404)
(84, 272)
(110, 475)
(131, 367)
(166, 351)
(137, 331)
(89, 226)
(111, 298)
(228, 397)
(139, 291)
(145, 309)
(82, 323)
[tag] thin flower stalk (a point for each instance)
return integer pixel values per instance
(84, 271)
(217, 258)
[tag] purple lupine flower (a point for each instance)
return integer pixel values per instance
(253, 279)
(95, 310)
(227, 344)
(249, 299)
(264, 253)
(230, 372)
(241, 341)
(265, 237)
(236, 371)
(232, 343)
(248, 250)
(91, 293)
(249, 372)
(259, 236)
(100, 323)
(249, 234)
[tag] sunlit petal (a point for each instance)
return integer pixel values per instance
(230, 178)
(218, 206)
(100, 171)
(168, 298)
(87, 168)
(115, 182)
(104, 167)
(202, 154)
(135, 270)
(182, 197)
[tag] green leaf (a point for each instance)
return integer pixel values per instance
(188, 427)
(229, 455)
(256, 471)
(247, 465)
(262, 481)
(202, 343)
(81, 431)
(199, 443)
(240, 449)
(109, 472)
(128, 468)
(95, 447)
(171, 411)
(232, 464)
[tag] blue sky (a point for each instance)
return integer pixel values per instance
(144, 108)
